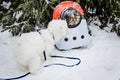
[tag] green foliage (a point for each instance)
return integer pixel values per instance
(106, 10)
(35, 14)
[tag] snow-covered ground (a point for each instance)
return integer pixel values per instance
(101, 61)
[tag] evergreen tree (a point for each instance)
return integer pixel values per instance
(25, 15)
(107, 11)
(20, 16)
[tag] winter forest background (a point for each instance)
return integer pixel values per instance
(21, 16)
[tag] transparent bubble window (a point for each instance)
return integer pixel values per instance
(72, 16)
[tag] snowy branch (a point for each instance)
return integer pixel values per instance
(47, 1)
(13, 26)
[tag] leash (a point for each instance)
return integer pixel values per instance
(70, 58)
(54, 56)
(19, 77)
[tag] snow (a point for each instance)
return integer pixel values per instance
(101, 61)
(6, 5)
(18, 14)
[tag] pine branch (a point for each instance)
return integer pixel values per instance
(14, 25)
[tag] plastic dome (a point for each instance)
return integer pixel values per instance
(65, 5)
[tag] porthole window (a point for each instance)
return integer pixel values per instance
(72, 16)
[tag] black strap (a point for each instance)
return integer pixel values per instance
(44, 54)
(71, 58)
(54, 56)
(19, 77)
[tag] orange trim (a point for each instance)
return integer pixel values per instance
(64, 5)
